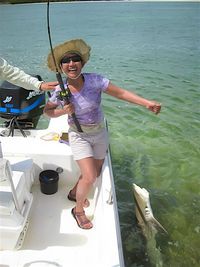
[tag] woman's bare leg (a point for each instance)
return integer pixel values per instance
(98, 164)
(90, 169)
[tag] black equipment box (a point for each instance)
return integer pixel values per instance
(18, 102)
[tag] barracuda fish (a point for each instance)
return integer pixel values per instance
(148, 224)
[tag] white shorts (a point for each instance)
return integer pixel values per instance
(92, 144)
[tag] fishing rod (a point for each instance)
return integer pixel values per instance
(64, 94)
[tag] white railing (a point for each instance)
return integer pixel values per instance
(1, 152)
(6, 170)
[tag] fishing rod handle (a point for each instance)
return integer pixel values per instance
(65, 96)
(78, 126)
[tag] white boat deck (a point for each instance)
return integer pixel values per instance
(53, 237)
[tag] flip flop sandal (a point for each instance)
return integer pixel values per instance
(81, 223)
(71, 197)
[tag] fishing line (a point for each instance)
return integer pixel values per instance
(64, 93)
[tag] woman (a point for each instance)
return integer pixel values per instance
(88, 147)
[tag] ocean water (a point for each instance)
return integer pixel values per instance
(153, 49)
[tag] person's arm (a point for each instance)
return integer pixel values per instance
(45, 86)
(128, 96)
(19, 77)
(53, 111)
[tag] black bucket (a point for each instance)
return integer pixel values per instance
(49, 182)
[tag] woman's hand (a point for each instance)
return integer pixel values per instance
(154, 106)
(68, 109)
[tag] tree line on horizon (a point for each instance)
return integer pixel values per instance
(37, 1)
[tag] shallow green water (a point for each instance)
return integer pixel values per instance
(152, 49)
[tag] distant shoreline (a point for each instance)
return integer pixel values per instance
(16, 2)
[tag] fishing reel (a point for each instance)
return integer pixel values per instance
(64, 96)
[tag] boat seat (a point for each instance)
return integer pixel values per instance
(7, 205)
(15, 202)
(23, 164)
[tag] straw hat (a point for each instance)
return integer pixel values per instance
(77, 46)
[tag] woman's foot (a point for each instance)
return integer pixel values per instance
(81, 219)
(72, 197)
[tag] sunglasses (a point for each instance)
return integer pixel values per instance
(67, 60)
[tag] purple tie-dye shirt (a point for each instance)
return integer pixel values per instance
(87, 102)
